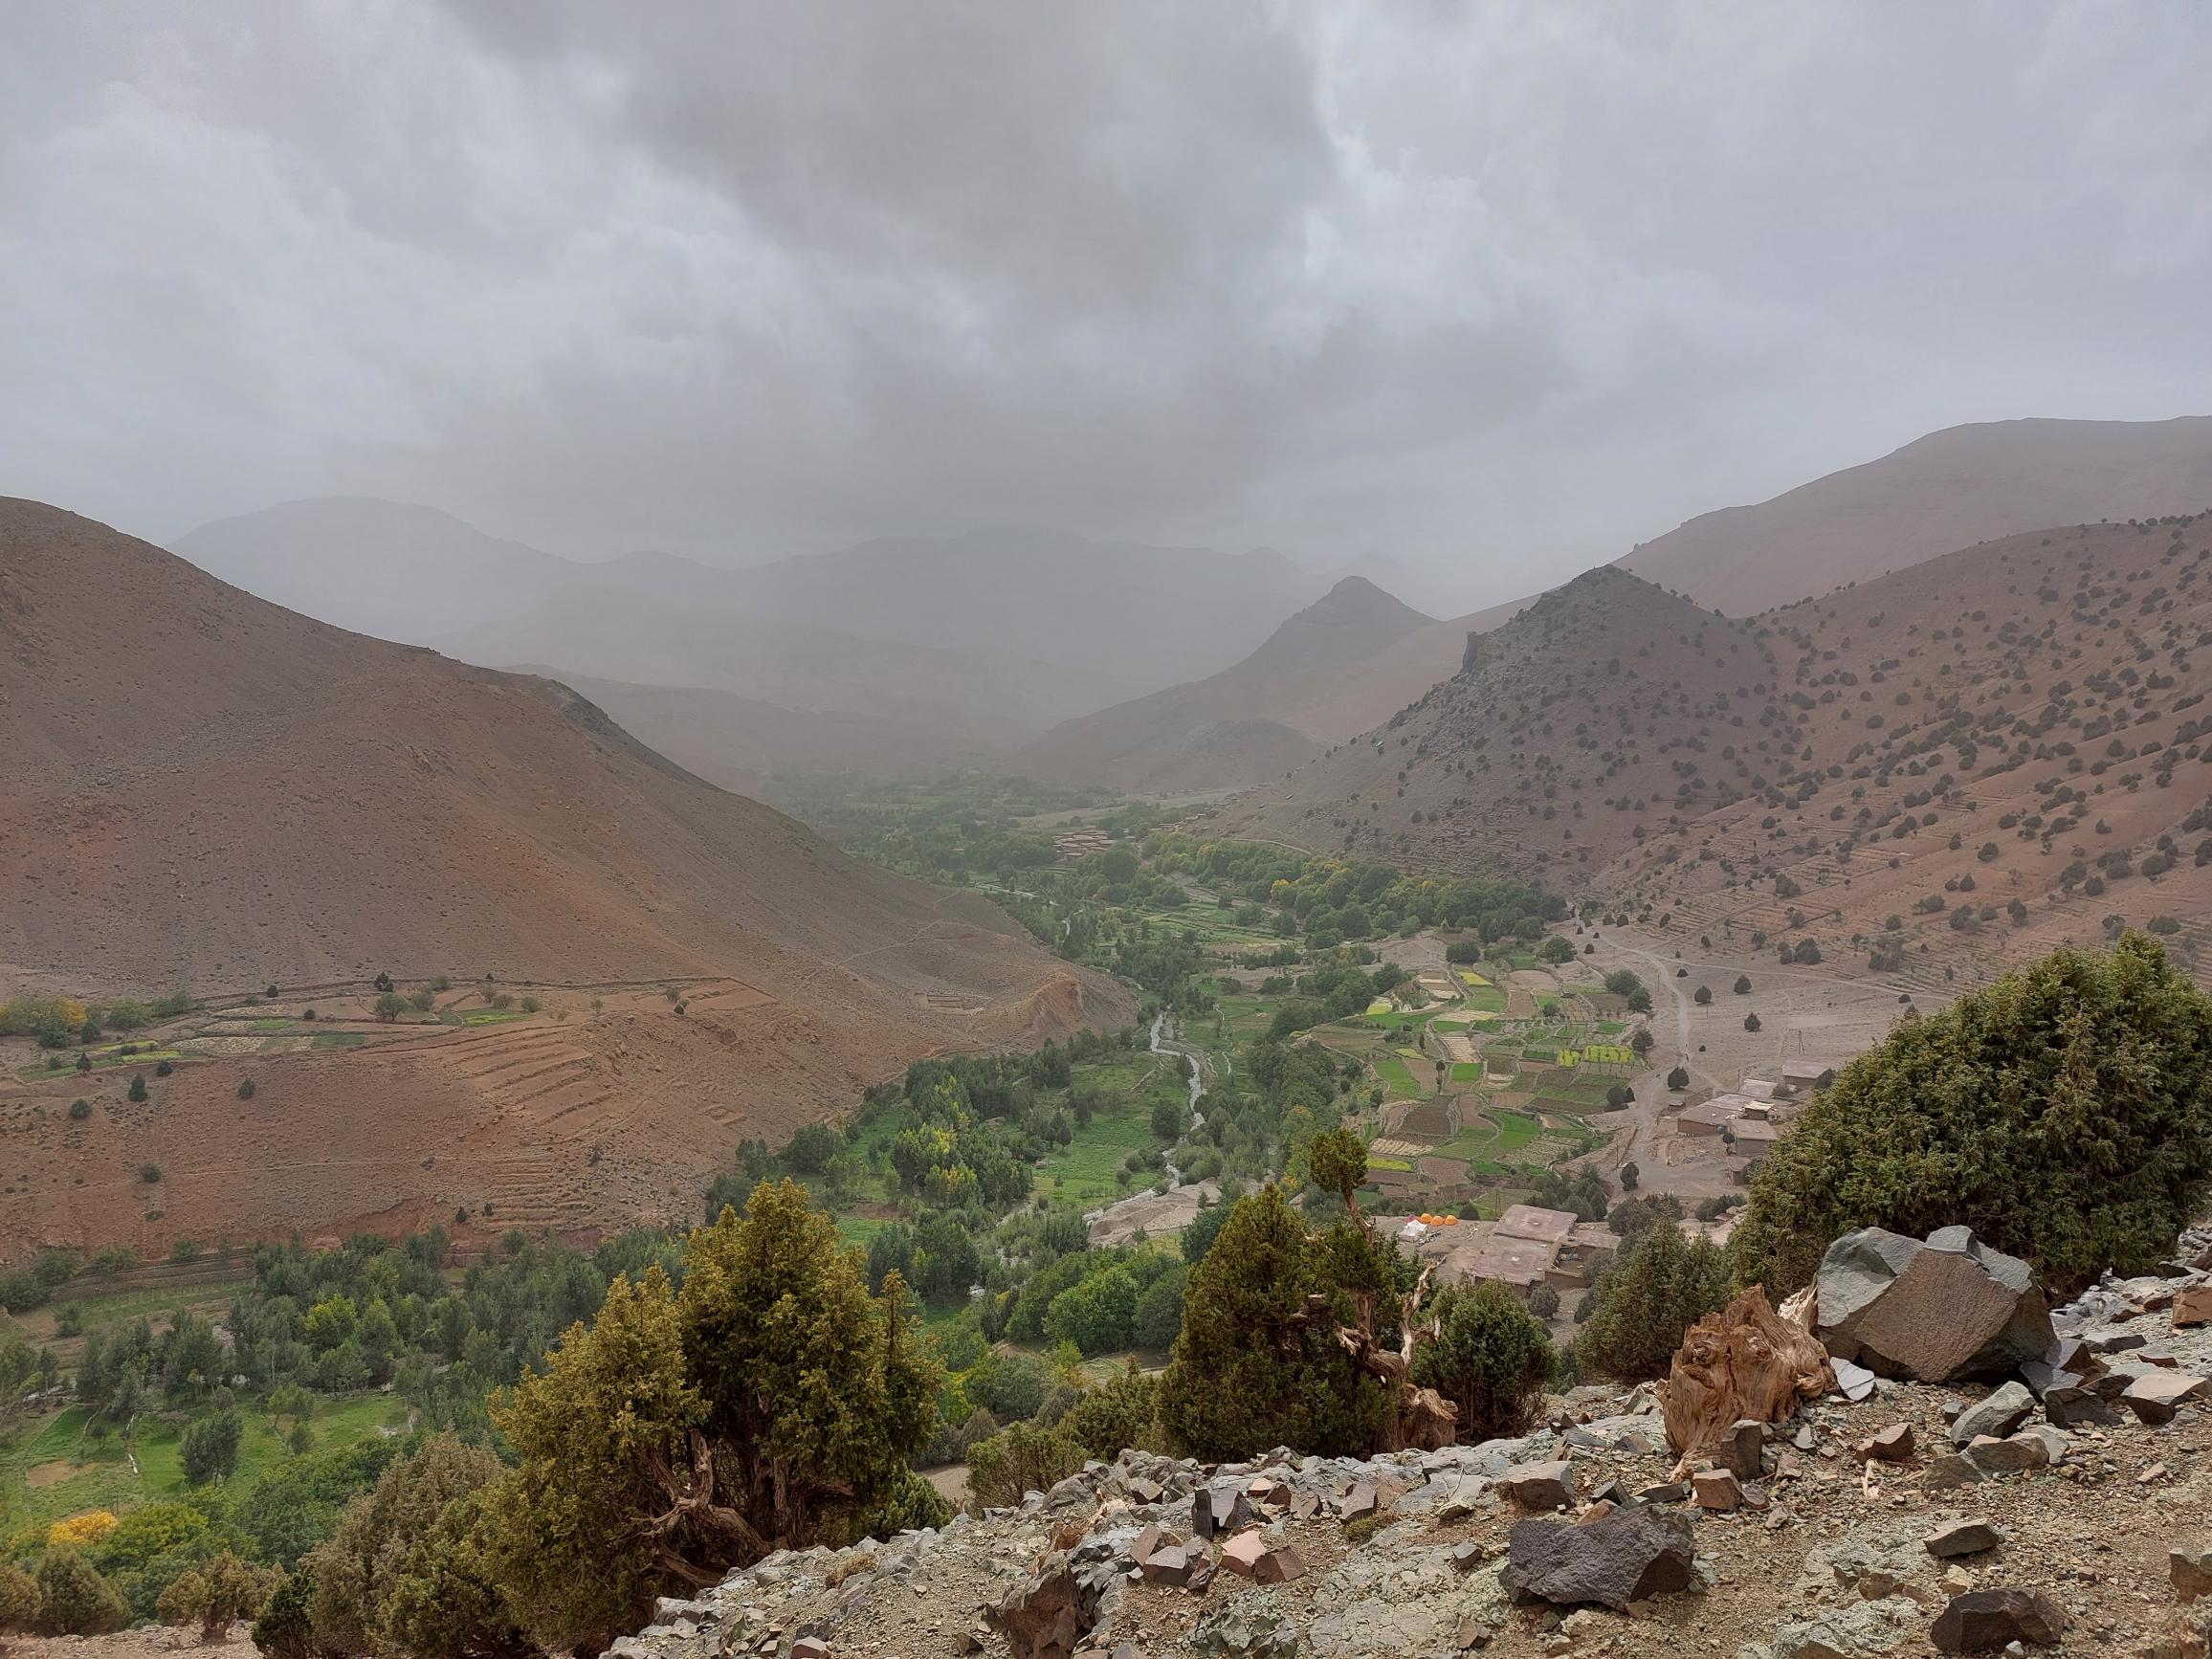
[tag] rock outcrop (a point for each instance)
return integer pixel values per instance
(1935, 1311)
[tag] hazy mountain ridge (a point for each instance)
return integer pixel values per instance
(1938, 494)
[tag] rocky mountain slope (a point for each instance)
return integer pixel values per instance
(208, 792)
(1875, 1517)
(1998, 749)
(1592, 694)
(1238, 726)
(1938, 494)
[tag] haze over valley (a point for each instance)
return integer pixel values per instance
(1138, 832)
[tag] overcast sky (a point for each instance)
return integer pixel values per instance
(1492, 291)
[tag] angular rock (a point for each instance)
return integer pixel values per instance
(2156, 1395)
(1045, 1616)
(809, 1648)
(1622, 1557)
(1717, 1488)
(1854, 1632)
(1890, 1444)
(1996, 1415)
(2192, 1306)
(2190, 1566)
(1854, 1382)
(1539, 1485)
(1220, 1508)
(1245, 1629)
(1673, 1491)
(1984, 1621)
(1357, 1502)
(1745, 1449)
(1251, 1556)
(2074, 1406)
(1966, 1537)
(1944, 1309)
(1160, 1559)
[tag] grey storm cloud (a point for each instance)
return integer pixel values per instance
(1489, 290)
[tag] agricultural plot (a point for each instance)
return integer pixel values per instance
(1081, 1174)
(102, 1060)
(59, 1468)
(1397, 1076)
(1467, 1071)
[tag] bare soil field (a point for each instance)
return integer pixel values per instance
(574, 1118)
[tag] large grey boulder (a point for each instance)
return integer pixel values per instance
(1615, 1559)
(1935, 1310)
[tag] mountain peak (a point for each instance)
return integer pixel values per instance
(1353, 620)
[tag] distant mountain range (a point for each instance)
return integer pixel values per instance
(1946, 491)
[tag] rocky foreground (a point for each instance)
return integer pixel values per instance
(2067, 1510)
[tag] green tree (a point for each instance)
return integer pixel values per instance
(18, 1599)
(1252, 1369)
(1123, 1412)
(1555, 950)
(404, 1563)
(388, 1006)
(1021, 1458)
(137, 1092)
(1742, 986)
(1490, 1357)
(1338, 1161)
(74, 1599)
(773, 1404)
(1678, 1078)
(1661, 1284)
(2064, 1114)
(209, 1448)
(1158, 1314)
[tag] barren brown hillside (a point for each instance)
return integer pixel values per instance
(1235, 728)
(1938, 494)
(1347, 662)
(1593, 696)
(207, 791)
(1997, 750)
(2004, 749)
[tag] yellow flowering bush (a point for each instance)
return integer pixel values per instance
(81, 1532)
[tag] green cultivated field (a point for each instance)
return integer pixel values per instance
(1397, 1076)
(52, 1469)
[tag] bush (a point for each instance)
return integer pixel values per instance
(162, 1067)
(1491, 1358)
(1702, 995)
(1661, 1284)
(1631, 1174)
(1678, 1078)
(1543, 1300)
(1742, 986)
(1160, 1311)
(1117, 1414)
(137, 1092)
(217, 1594)
(79, 1109)
(18, 1598)
(911, 1505)
(388, 1561)
(2064, 1113)
(1751, 1022)
(75, 1600)
(245, 1088)
(281, 1629)
(1021, 1459)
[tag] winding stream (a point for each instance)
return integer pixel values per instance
(1163, 1044)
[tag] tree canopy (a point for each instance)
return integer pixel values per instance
(2064, 1114)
